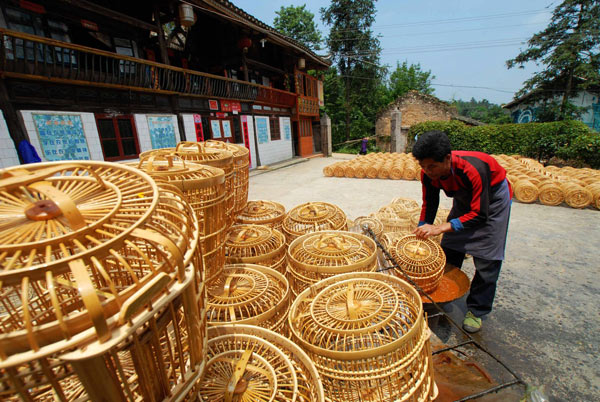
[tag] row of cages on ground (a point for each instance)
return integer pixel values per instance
(112, 273)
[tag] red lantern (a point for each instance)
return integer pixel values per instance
(244, 43)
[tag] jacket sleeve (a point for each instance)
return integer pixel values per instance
(431, 201)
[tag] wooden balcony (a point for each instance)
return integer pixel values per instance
(32, 57)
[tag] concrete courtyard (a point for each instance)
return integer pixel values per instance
(546, 318)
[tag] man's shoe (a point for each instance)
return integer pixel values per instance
(471, 323)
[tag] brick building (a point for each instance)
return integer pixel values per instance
(415, 107)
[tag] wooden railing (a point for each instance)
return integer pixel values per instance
(34, 57)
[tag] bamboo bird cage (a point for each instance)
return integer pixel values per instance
(367, 336)
(87, 249)
(319, 255)
(256, 244)
(269, 213)
(241, 170)
(249, 294)
(422, 260)
(312, 217)
(370, 222)
(249, 363)
(204, 189)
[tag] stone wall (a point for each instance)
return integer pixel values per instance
(415, 108)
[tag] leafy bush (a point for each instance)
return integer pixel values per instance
(565, 139)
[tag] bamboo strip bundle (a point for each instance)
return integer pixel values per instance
(525, 191)
(360, 172)
(551, 194)
(577, 196)
(384, 171)
(373, 171)
(256, 244)
(396, 171)
(338, 170)
(349, 171)
(248, 294)
(249, 363)
(595, 190)
(367, 336)
(319, 255)
(328, 171)
(268, 213)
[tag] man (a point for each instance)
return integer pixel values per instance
(478, 221)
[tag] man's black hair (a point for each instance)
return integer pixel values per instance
(432, 144)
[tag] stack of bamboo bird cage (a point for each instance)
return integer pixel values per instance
(249, 294)
(551, 185)
(249, 363)
(312, 217)
(100, 298)
(369, 222)
(422, 260)
(204, 189)
(262, 212)
(319, 255)
(241, 170)
(256, 244)
(367, 336)
(378, 165)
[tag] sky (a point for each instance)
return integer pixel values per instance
(464, 43)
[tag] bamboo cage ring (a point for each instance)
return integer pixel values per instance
(312, 217)
(256, 244)
(262, 212)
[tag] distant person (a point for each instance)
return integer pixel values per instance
(363, 146)
(478, 222)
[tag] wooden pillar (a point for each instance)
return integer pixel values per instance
(326, 135)
(13, 121)
(245, 65)
(161, 35)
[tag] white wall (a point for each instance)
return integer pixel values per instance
(89, 129)
(274, 151)
(8, 153)
(141, 124)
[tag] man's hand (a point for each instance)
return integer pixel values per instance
(426, 231)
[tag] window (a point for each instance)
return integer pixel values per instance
(275, 133)
(117, 137)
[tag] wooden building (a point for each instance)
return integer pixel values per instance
(109, 79)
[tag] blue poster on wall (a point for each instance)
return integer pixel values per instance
(61, 137)
(286, 126)
(162, 132)
(262, 129)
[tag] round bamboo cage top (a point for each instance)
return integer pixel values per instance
(370, 222)
(256, 244)
(241, 167)
(319, 255)
(249, 363)
(79, 241)
(268, 213)
(313, 217)
(407, 204)
(422, 260)
(366, 334)
(248, 294)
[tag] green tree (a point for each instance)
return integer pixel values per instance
(568, 49)
(298, 23)
(484, 111)
(355, 51)
(408, 77)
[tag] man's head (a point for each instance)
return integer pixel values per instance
(433, 152)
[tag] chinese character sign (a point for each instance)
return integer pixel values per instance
(162, 132)
(262, 129)
(286, 127)
(61, 137)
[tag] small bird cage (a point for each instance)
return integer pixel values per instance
(312, 217)
(406, 204)
(241, 170)
(394, 222)
(319, 255)
(367, 336)
(370, 222)
(422, 260)
(86, 249)
(269, 213)
(256, 244)
(249, 363)
(248, 294)
(204, 188)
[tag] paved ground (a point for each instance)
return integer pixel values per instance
(546, 320)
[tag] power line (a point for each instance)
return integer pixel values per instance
(453, 20)
(441, 32)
